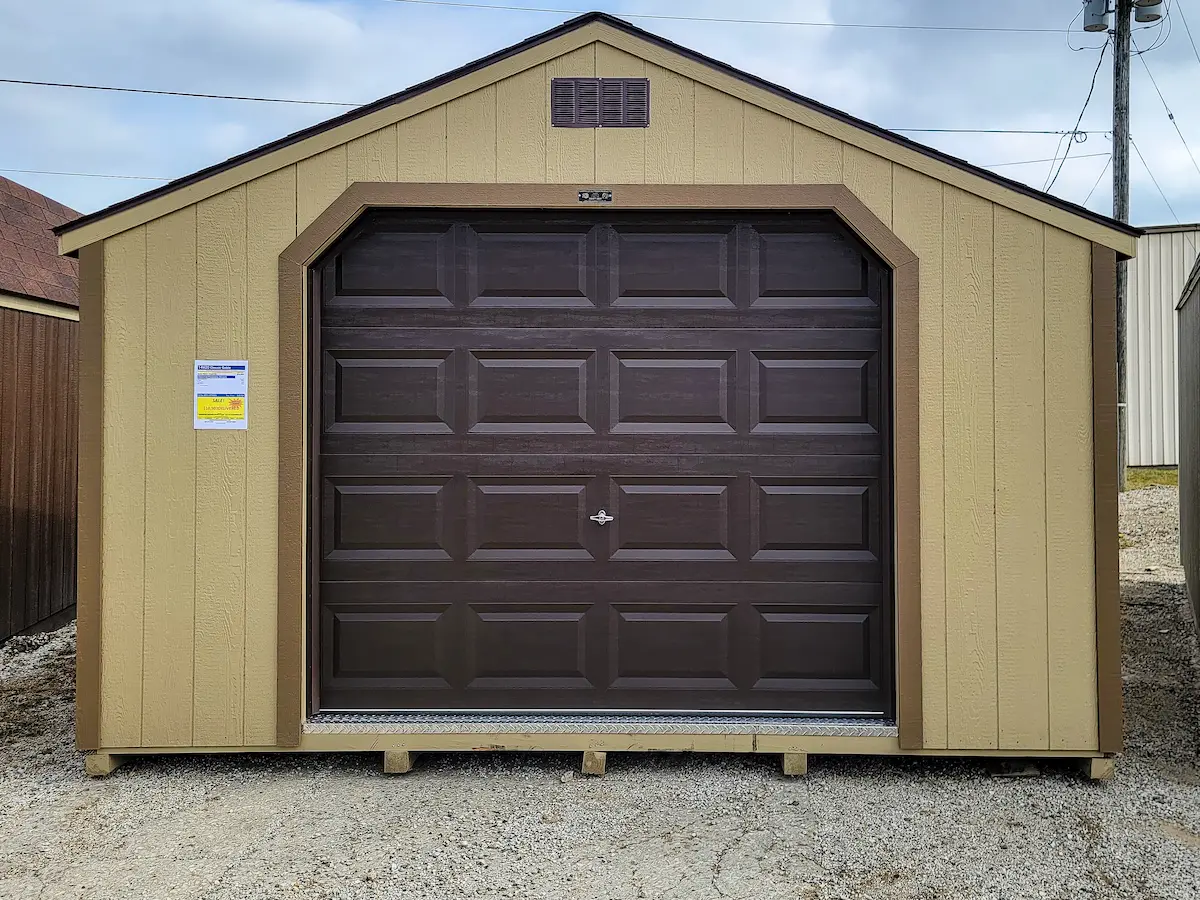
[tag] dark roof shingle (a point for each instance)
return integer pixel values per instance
(29, 260)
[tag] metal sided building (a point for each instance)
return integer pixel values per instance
(1157, 275)
(600, 396)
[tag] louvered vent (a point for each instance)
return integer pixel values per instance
(575, 102)
(600, 102)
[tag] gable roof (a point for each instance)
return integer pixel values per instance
(618, 27)
(29, 260)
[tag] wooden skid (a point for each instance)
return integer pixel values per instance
(100, 764)
(1100, 768)
(795, 764)
(594, 762)
(397, 762)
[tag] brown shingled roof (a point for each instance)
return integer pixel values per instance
(29, 260)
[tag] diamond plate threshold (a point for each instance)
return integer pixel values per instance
(463, 723)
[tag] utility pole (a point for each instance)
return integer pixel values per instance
(1096, 13)
(1122, 33)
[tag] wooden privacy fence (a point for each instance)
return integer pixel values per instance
(39, 376)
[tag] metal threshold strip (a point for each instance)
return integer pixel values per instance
(533, 723)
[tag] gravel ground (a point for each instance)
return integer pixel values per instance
(658, 826)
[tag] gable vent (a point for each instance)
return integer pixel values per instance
(575, 102)
(600, 102)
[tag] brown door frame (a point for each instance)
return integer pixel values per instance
(297, 368)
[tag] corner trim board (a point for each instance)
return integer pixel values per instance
(90, 534)
(1104, 441)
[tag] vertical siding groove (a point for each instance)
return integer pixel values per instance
(1019, 380)
(1070, 532)
(970, 474)
(170, 480)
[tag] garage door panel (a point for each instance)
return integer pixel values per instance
(808, 270)
(403, 269)
(389, 518)
(794, 392)
(530, 519)
(673, 392)
(403, 392)
(672, 647)
(408, 646)
(804, 519)
(522, 645)
(532, 392)
(515, 266)
(805, 643)
(715, 383)
(683, 268)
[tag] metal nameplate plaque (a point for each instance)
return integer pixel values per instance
(595, 196)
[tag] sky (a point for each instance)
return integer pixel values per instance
(354, 51)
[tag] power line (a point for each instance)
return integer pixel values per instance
(1075, 138)
(1026, 162)
(1170, 115)
(1146, 166)
(129, 90)
(993, 131)
(85, 174)
(629, 15)
(1183, 19)
(1107, 163)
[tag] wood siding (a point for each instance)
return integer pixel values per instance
(1008, 597)
(39, 378)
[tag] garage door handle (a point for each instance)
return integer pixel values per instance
(601, 518)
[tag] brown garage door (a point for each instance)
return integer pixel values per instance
(613, 461)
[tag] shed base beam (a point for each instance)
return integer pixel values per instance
(1101, 768)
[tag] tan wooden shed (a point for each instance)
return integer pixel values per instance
(601, 397)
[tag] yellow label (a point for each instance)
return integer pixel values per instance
(223, 409)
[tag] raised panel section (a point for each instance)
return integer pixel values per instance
(387, 519)
(677, 647)
(400, 269)
(790, 270)
(805, 643)
(672, 392)
(522, 269)
(670, 520)
(794, 393)
(388, 391)
(533, 392)
(672, 268)
(407, 646)
(519, 645)
(812, 522)
(510, 519)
